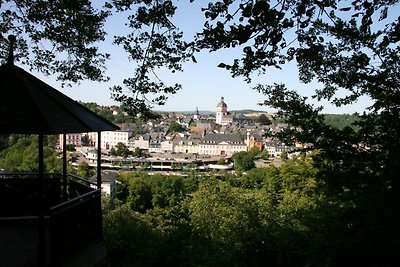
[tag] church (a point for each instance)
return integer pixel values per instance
(222, 116)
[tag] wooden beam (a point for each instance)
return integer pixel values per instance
(98, 160)
(64, 145)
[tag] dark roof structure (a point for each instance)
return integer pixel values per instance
(256, 137)
(30, 106)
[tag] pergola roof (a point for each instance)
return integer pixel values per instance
(30, 106)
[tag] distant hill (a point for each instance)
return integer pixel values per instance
(341, 120)
(338, 121)
(247, 111)
(201, 112)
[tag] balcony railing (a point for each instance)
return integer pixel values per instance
(72, 222)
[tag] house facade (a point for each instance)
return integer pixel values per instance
(74, 139)
(186, 146)
(142, 142)
(110, 139)
(221, 145)
(255, 140)
(167, 146)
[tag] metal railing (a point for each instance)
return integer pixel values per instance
(74, 224)
(70, 224)
(20, 194)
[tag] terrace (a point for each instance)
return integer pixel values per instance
(71, 217)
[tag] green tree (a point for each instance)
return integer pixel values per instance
(264, 154)
(22, 156)
(254, 178)
(243, 161)
(221, 161)
(294, 209)
(140, 195)
(341, 121)
(122, 150)
(254, 151)
(226, 226)
(263, 119)
(85, 140)
(58, 37)
(138, 152)
(113, 152)
(106, 113)
(284, 154)
(51, 140)
(166, 190)
(129, 238)
(70, 147)
(155, 191)
(84, 170)
(175, 127)
(3, 141)
(90, 105)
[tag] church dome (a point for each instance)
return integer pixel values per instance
(222, 103)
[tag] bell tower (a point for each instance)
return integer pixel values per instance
(222, 110)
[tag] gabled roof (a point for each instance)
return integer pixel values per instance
(256, 137)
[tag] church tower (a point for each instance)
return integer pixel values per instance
(222, 110)
(196, 116)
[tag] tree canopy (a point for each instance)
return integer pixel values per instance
(21, 155)
(121, 150)
(175, 127)
(244, 161)
(58, 37)
(263, 119)
(265, 217)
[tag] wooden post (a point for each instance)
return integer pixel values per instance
(42, 238)
(98, 160)
(64, 145)
(99, 177)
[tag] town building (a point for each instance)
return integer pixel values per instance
(167, 146)
(196, 116)
(141, 141)
(222, 116)
(254, 139)
(275, 148)
(216, 144)
(187, 146)
(155, 146)
(110, 139)
(108, 182)
(74, 139)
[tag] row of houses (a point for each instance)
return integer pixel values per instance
(212, 144)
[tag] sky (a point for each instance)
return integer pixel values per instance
(203, 83)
